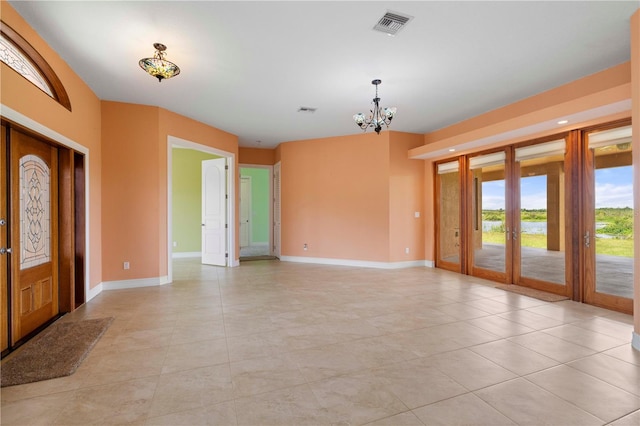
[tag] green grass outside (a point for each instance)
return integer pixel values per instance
(609, 246)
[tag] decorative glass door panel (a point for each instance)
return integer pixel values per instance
(608, 233)
(449, 232)
(34, 234)
(539, 233)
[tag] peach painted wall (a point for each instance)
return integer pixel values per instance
(335, 197)
(82, 124)
(605, 87)
(406, 197)
(635, 119)
(135, 177)
(278, 154)
(257, 156)
(130, 192)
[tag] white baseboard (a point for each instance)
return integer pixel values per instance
(142, 282)
(635, 341)
(180, 255)
(93, 292)
(350, 262)
(429, 263)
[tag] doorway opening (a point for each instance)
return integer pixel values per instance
(192, 236)
(256, 214)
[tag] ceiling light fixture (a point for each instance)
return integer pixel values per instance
(378, 117)
(563, 121)
(158, 66)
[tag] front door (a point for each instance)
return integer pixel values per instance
(214, 212)
(34, 234)
(4, 242)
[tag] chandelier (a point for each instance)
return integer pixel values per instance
(158, 66)
(378, 117)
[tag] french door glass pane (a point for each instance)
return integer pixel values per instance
(614, 219)
(541, 231)
(489, 206)
(450, 216)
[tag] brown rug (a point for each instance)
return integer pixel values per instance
(531, 292)
(55, 352)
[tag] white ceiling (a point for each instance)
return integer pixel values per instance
(247, 67)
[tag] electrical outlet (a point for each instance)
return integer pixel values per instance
(406, 250)
(175, 244)
(305, 247)
(125, 265)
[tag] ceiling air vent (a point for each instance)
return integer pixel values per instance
(392, 22)
(308, 110)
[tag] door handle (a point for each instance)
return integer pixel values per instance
(507, 232)
(515, 235)
(4, 250)
(587, 239)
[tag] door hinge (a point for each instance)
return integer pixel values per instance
(226, 225)
(226, 196)
(226, 255)
(226, 167)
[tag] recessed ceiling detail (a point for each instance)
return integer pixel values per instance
(308, 110)
(392, 22)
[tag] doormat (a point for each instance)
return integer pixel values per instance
(56, 352)
(531, 292)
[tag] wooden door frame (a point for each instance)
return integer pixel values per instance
(501, 277)
(587, 200)
(459, 267)
(72, 269)
(26, 124)
(5, 308)
(569, 200)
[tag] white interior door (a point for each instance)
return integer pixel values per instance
(245, 211)
(214, 208)
(276, 210)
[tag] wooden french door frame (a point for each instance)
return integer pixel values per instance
(472, 189)
(441, 262)
(569, 204)
(587, 253)
(513, 250)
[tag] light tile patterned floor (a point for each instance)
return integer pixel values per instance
(274, 343)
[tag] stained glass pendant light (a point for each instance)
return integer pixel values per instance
(158, 66)
(378, 116)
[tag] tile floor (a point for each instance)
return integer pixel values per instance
(274, 343)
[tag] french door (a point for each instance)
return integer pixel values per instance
(490, 220)
(513, 228)
(449, 230)
(607, 240)
(554, 214)
(541, 235)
